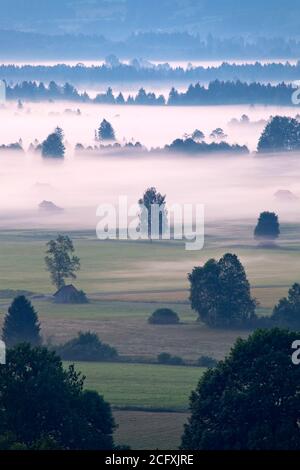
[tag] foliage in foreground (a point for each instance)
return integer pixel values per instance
(44, 406)
(251, 400)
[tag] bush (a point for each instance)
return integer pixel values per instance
(87, 347)
(164, 316)
(167, 359)
(207, 361)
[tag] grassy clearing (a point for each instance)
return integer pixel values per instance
(142, 385)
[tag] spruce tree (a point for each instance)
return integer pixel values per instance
(21, 324)
(106, 131)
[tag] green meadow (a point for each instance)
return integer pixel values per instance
(125, 283)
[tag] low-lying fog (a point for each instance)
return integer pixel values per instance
(230, 187)
(151, 125)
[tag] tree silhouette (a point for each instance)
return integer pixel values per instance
(43, 404)
(154, 215)
(60, 261)
(282, 134)
(249, 401)
(220, 293)
(267, 227)
(106, 131)
(21, 323)
(53, 146)
(287, 312)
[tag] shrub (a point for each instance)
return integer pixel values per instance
(167, 359)
(164, 316)
(87, 347)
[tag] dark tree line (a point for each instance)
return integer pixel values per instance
(233, 92)
(143, 72)
(217, 92)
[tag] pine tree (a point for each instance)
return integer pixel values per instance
(21, 323)
(106, 131)
(53, 146)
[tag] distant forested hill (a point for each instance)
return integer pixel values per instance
(120, 18)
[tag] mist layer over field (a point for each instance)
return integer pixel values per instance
(151, 125)
(230, 187)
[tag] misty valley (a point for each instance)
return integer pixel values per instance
(149, 229)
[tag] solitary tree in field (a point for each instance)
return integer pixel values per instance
(60, 260)
(154, 215)
(267, 227)
(281, 134)
(106, 131)
(21, 323)
(53, 146)
(44, 406)
(249, 401)
(220, 293)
